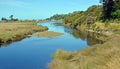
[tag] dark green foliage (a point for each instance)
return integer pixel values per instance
(116, 11)
(111, 9)
(4, 19)
(11, 17)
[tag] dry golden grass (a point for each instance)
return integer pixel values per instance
(48, 34)
(111, 26)
(82, 27)
(67, 25)
(101, 56)
(13, 31)
(100, 25)
(101, 28)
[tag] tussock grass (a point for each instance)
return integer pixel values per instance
(114, 26)
(100, 56)
(48, 34)
(67, 25)
(101, 28)
(14, 31)
(111, 26)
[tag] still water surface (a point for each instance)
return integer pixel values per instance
(35, 52)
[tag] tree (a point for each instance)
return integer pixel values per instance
(107, 8)
(110, 9)
(116, 11)
(11, 17)
(3, 19)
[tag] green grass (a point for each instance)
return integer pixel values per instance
(13, 31)
(100, 56)
(117, 32)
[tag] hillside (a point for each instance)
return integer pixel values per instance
(79, 19)
(99, 56)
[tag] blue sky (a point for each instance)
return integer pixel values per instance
(40, 9)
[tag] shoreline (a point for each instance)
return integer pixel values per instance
(97, 31)
(84, 28)
(99, 56)
(16, 31)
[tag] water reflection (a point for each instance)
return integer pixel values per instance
(10, 42)
(35, 52)
(91, 38)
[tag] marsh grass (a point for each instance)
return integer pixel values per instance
(14, 31)
(48, 34)
(111, 26)
(100, 56)
(114, 26)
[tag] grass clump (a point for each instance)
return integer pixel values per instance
(60, 54)
(100, 56)
(14, 31)
(48, 34)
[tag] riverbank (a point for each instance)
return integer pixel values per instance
(100, 56)
(98, 28)
(15, 31)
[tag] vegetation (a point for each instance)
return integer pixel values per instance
(105, 56)
(97, 19)
(81, 18)
(48, 34)
(11, 19)
(56, 17)
(14, 31)
(111, 9)
(108, 13)
(87, 20)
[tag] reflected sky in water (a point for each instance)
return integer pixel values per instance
(35, 52)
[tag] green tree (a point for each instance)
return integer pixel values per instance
(11, 17)
(75, 17)
(111, 9)
(116, 11)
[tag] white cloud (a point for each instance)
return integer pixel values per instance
(15, 3)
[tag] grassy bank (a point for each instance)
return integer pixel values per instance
(104, 29)
(100, 56)
(99, 28)
(14, 31)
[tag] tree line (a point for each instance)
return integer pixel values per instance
(11, 18)
(109, 10)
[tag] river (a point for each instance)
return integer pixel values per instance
(35, 52)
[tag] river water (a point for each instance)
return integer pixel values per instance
(35, 52)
